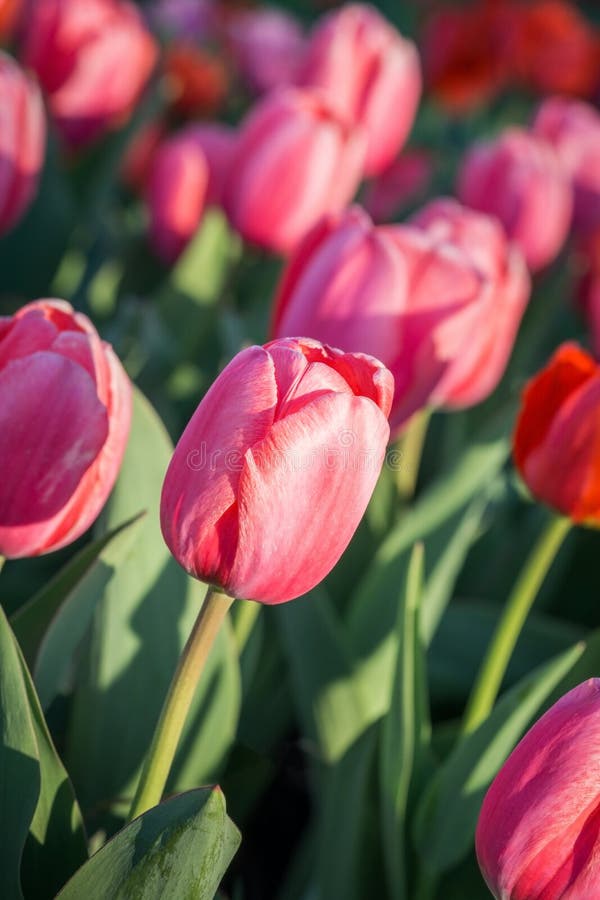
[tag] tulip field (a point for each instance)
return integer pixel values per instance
(299, 450)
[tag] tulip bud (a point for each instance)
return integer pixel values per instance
(295, 160)
(22, 141)
(275, 469)
(92, 60)
(371, 75)
(557, 434)
(65, 409)
(266, 46)
(188, 172)
(538, 827)
(573, 128)
(439, 302)
(519, 179)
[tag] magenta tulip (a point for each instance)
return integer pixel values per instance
(266, 46)
(295, 160)
(519, 179)
(22, 141)
(65, 409)
(538, 829)
(573, 128)
(92, 59)
(275, 469)
(371, 75)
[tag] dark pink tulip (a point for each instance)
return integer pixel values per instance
(22, 141)
(519, 179)
(275, 469)
(265, 45)
(537, 835)
(92, 59)
(573, 127)
(295, 160)
(370, 73)
(65, 410)
(439, 301)
(402, 183)
(188, 172)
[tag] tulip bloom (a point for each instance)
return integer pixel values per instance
(519, 179)
(275, 469)
(65, 411)
(266, 46)
(371, 75)
(439, 301)
(92, 60)
(188, 172)
(295, 160)
(557, 432)
(573, 128)
(22, 141)
(538, 828)
(196, 82)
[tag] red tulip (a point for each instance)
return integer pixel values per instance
(439, 302)
(188, 172)
(275, 469)
(519, 179)
(266, 45)
(557, 433)
(10, 13)
(573, 127)
(196, 81)
(22, 141)
(295, 160)
(371, 75)
(92, 60)
(65, 409)
(538, 828)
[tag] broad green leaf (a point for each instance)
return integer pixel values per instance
(447, 814)
(201, 270)
(179, 849)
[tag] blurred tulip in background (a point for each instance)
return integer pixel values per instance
(266, 46)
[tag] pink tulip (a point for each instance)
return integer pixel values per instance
(573, 128)
(275, 469)
(519, 179)
(92, 59)
(538, 828)
(371, 75)
(188, 172)
(439, 302)
(266, 45)
(295, 160)
(65, 410)
(22, 141)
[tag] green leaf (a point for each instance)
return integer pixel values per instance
(447, 814)
(179, 849)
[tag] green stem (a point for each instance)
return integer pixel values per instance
(178, 701)
(2, 561)
(491, 674)
(426, 887)
(246, 614)
(412, 444)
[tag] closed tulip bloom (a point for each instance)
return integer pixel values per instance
(537, 833)
(65, 411)
(370, 73)
(275, 469)
(573, 128)
(556, 437)
(22, 141)
(92, 59)
(295, 160)
(519, 179)
(266, 46)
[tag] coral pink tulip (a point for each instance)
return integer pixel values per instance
(519, 179)
(295, 160)
(573, 127)
(371, 74)
(22, 141)
(266, 46)
(92, 59)
(275, 469)
(65, 410)
(439, 302)
(557, 434)
(537, 833)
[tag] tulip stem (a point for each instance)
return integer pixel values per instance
(412, 444)
(2, 561)
(178, 701)
(246, 614)
(492, 671)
